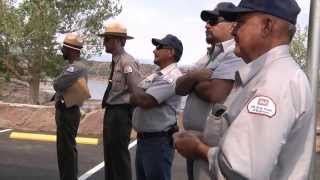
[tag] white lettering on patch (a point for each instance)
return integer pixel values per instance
(262, 105)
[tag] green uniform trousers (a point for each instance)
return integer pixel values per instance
(116, 137)
(67, 120)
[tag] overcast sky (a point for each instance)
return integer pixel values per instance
(146, 19)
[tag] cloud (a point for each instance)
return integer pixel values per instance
(147, 19)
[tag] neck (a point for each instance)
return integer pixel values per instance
(165, 64)
(264, 49)
(118, 51)
(71, 59)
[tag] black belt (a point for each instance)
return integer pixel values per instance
(61, 104)
(146, 135)
(125, 106)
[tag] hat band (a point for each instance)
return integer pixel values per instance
(71, 47)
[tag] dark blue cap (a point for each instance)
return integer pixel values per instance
(214, 14)
(170, 41)
(285, 9)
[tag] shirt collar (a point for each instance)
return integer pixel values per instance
(168, 69)
(248, 71)
(227, 44)
(117, 57)
(223, 45)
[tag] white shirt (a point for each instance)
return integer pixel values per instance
(272, 116)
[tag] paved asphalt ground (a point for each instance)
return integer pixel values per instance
(34, 160)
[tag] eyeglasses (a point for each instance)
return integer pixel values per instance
(213, 22)
(162, 47)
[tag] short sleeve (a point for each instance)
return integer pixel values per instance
(161, 90)
(227, 67)
(129, 65)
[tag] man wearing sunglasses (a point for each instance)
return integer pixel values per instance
(211, 81)
(68, 118)
(154, 117)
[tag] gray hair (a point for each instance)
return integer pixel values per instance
(291, 31)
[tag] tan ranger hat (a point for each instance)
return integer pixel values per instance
(73, 41)
(115, 29)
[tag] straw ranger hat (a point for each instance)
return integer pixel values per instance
(115, 29)
(73, 41)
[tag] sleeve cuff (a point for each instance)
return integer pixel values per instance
(211, 156)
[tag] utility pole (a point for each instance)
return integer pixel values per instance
(313, 64)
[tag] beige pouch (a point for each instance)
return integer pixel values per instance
(77, 93)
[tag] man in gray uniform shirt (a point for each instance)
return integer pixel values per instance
(221, 64)
(117, 117)
(68, 118)
(270, 109)
(155, 117)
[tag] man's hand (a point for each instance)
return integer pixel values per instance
(188, 143)
(202, 74)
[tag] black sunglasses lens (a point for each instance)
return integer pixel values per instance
(212, 22)
(159, 47)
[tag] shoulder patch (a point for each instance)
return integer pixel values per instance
(262, 105)
(128, 69)
(70, 69)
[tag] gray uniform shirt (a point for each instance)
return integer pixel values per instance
(272, 116)
(159, 85)
(124, 63)
(224, 66)
(69, 75)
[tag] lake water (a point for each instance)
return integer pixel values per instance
(97, 88)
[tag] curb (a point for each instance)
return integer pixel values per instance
(50, 138)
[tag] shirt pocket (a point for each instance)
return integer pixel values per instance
(118, 82)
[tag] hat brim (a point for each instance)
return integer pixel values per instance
(233, 13)
(157, 42)
(106, 34)
(209, 15)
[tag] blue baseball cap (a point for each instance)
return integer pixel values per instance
(214, 14)
(285, 9)
(172, 42)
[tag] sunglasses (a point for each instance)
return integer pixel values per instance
(213, 22)
(162, 47)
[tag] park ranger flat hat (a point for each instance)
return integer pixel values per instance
(115, 29)
(73, 41)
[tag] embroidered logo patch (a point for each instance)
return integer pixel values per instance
(262, 105)
(70, 69)
(128, 69)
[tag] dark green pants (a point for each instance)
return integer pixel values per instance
(116, 138)
(67, 120)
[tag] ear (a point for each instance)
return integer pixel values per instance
(267, 26)
(231, 27)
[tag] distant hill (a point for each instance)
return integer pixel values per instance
(102, 69)
(108, 57)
